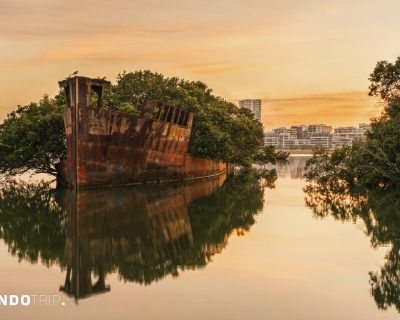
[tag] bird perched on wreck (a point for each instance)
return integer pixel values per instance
(73, 74)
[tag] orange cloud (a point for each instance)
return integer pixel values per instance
(214, 69)
(336, 109)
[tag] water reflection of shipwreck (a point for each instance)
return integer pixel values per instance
(106, 147)
(143, 233)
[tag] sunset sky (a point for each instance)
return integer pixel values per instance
(309, 60)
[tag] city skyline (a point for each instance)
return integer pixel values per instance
(308, 60)
(306, 136)
(314, 123)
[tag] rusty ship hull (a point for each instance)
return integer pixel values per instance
(106, 147)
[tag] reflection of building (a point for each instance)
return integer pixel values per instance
(252, 104)
(292, 168)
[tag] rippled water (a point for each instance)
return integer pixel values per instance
(247, 247)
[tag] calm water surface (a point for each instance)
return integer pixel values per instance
(245, 248)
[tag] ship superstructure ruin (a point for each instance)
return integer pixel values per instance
(106, 147)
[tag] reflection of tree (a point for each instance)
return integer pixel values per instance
(142, 233)
(231, 208)
(338, 202)
(32, 223)
(266, 177)
(293, 168)
(385, 284)
(380, 212)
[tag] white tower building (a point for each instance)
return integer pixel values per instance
(252, 104)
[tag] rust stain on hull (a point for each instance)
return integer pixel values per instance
(106, 147)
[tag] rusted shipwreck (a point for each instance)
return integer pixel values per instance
(106, 147)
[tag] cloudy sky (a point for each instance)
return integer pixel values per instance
(308, 60)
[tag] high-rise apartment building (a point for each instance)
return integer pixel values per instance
(252, 104)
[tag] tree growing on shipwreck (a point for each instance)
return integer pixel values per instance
(32, 138)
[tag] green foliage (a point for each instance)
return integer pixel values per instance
(266, 155)
(329, 169)
(32, 138)
(377, 159)
(385, 80)
(374, 161)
